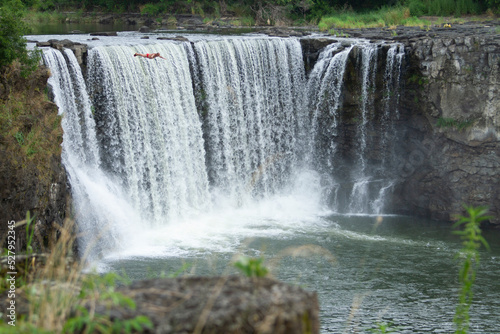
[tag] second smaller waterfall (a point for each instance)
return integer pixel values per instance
(353, 94)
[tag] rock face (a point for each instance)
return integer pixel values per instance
(32, 177)
(80, 50)
(221, 305)
(452, 109)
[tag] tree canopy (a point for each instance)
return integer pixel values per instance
(12, 41)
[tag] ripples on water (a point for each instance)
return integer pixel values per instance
(401, 271)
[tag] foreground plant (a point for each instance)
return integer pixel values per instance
(469, 257)
(59, 298)
(251, 267)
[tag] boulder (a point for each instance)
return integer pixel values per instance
(109, 33)
(176, 38)
(227, 305)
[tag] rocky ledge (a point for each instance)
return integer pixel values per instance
(230, 305)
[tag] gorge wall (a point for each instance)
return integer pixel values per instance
(32, 177)
(451, 110)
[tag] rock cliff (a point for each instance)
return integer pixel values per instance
(452, 112)
(32, 177)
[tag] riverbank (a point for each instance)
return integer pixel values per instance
(393, 21)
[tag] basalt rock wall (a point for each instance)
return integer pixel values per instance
(451, 110)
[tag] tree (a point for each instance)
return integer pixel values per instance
(12, 41)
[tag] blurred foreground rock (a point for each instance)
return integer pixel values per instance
(221, 305)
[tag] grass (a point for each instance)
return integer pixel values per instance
(444, 122)
(29, 123)
(409, 16)
(385, 17)
(443, 7)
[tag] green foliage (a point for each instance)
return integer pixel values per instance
(152, 9)
(19, 138)
(12, 42)
(383, 328)
(419, 80)
(443, 122)
(443, 7)
(494, 5)
(469, 258)
(29, 233)
(251, 267)
(102, 288)
(383, 17)
(96, 323)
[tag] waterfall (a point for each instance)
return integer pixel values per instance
(135, 137)
(224, 123)
(324, 89)
(150, 128)
(251, 90)
(92, 191)
(392, 93)
(360, 197)
(347, 142)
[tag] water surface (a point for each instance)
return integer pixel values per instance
(398, 270)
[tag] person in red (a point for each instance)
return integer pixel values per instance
(149, 55)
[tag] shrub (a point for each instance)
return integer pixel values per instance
(12, 42)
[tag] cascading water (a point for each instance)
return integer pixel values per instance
(142, 162)
(92, 191)
(150, 129)
(324, 89)
(251, 90)
(222, 123)
(360, 198)
(342, 136)
(392, 91)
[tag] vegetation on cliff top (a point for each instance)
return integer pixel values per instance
(350, 13)
(30, 131)
(12, 42)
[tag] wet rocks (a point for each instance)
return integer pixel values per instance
(176, 38)
(80, 50)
